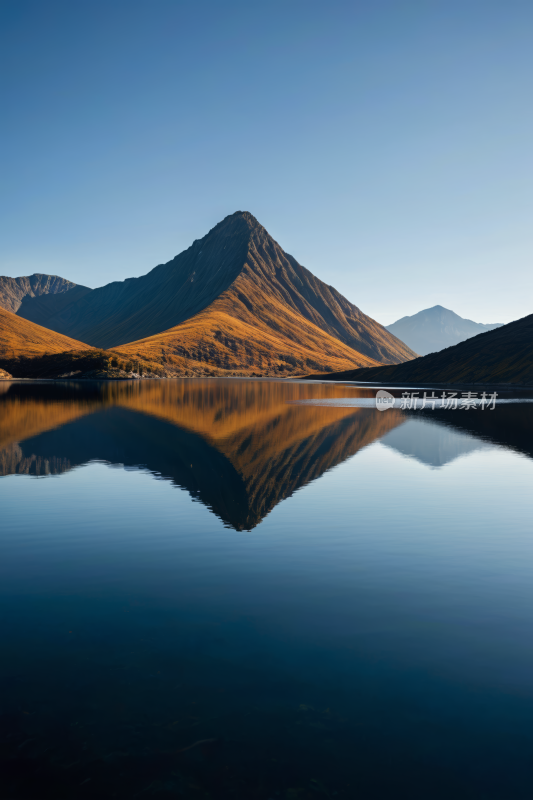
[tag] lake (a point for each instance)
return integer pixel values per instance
(257, 589)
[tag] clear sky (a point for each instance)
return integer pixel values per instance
(385, 144)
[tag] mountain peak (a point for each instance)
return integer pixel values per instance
(39, 296)
(435, 328)
(247, 216)
(240, 221)
(233, 300)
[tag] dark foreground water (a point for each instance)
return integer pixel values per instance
(208, 590)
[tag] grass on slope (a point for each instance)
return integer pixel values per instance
(216, 343)
(19, 337)
(28, 350)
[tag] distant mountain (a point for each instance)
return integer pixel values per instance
(19, 337)
(503, 355)
(435, 328)
(38, 297)
(233, 301)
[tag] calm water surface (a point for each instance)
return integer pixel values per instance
(209, 590)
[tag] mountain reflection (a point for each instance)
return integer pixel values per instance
(509, 425)
(431, 442)
(236, 446)
(239, 447)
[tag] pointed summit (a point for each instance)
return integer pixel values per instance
(234, 301)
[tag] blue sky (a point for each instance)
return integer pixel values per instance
(387, 145)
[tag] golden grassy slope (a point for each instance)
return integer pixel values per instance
(215, 342)
(19, 337)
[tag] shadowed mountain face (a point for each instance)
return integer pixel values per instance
(234, 300)
(503, 355)
(38, 297)
(238, 447)
(435, 328)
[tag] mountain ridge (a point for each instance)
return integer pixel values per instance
(38, 297)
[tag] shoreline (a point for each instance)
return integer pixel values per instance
(369, 385)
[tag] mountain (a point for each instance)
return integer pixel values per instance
(232, 301)
(435, 328)
(38, 297)
(503, 355)
(19, 337)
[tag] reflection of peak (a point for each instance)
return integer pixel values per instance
(430, 442)
(509, 425)
(238, 448)
(241, 485)
(271, 475)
